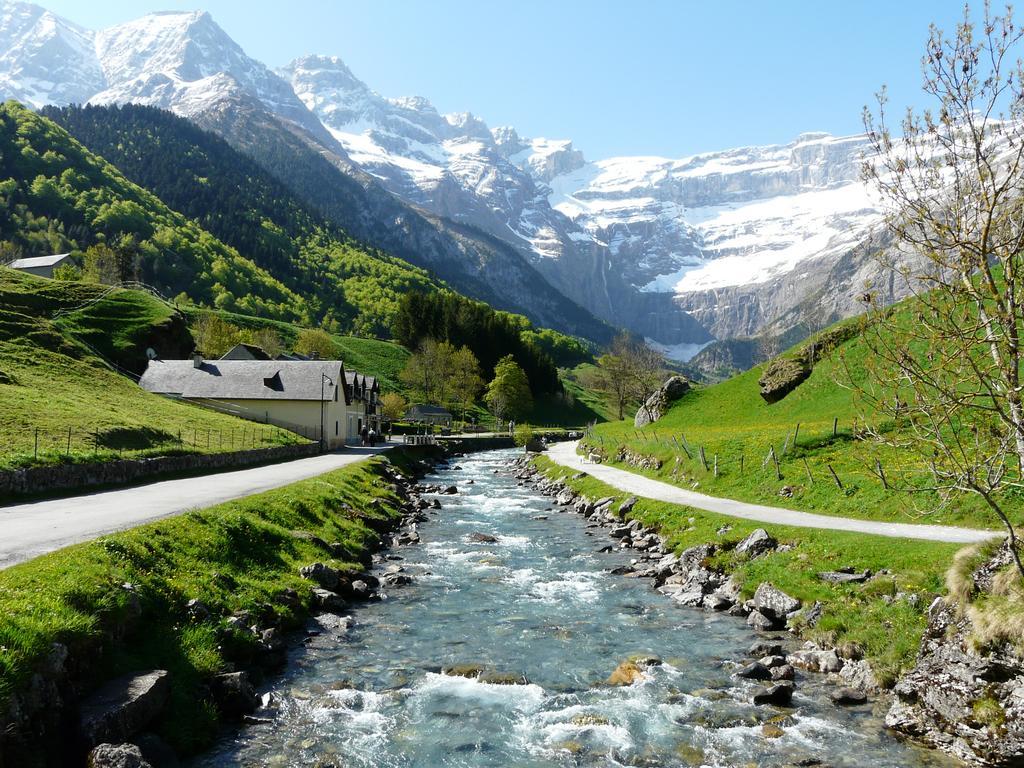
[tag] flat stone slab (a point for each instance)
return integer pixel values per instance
(124, 706)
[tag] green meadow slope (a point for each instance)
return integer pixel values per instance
(730, 420)
(65, 352)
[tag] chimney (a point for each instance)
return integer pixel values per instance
(197, 360)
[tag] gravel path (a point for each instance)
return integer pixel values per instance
(28, 530)
(630, 482)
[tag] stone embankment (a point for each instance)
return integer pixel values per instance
(116, 724)
(690, 580)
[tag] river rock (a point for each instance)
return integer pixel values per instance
(756, 543)
(325, 600)
(858, 674)
(754, 671)
(234, 694)
(451, 490)
(760, 621)
(783, 672)
(773, 602)
(124, 706)
(482, 538)
(631, 670)
(657, 404)
(816, 660)
(778, 695)
(848, 697)
(627, 506)
(758, 650)
(322, 574)
(116, 756)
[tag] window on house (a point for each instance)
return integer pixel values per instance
(335, 429)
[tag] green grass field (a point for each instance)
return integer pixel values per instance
(730, 420)
(52, 382)
(855, 615)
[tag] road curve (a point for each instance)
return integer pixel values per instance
(28, 530)
(630, 482)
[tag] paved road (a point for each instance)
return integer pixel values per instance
(630, 482)
(28, 530)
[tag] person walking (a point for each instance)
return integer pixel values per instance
(364, 434)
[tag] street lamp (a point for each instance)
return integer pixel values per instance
(324, 378)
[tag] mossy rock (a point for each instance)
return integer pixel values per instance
(782, 376)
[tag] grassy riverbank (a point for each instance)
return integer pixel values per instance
(239, 556)
(883, 618)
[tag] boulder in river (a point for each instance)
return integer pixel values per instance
(482, 538)
(778, 695)
(116, 756)
(848, 697)
(631, 670)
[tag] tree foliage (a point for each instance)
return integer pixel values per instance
(490, 335)
(628, 373)
(953, 187)
(508, 394)
(442, 374)
(316, 342)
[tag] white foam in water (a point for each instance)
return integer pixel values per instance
(575, 586)
(517, 698)
(364, 728)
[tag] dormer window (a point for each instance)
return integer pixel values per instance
(274, 382)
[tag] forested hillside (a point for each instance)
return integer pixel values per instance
(57, 196)
(201, 175)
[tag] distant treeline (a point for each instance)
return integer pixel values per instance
(447, 316)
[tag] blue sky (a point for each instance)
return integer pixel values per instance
(663, 77)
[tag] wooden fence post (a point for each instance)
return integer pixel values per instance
(703, 460)
(835, 476)
(69, 441)
(796, 433)
(716, 465)
(807, 467)
(835, 426)
(741, 465)
(775, 460)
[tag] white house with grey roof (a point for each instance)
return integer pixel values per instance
(315, 398)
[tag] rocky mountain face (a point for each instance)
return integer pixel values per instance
(740, 243)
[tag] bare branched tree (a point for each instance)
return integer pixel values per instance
(948, 378)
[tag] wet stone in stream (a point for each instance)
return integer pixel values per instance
(524, 605)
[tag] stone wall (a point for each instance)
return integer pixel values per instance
(57, 477)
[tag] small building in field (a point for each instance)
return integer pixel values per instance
(313, 398)
(429, 414)
(42, 266)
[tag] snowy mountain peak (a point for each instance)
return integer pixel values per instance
(45, 59)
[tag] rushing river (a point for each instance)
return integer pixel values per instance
(539, 604)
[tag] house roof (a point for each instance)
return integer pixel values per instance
(244, 379)
(38, 261)
(245, 352)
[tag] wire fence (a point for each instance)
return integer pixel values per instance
(47, 445)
